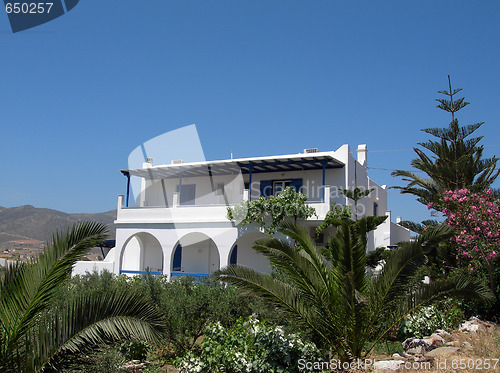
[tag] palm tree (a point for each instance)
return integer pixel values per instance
(35, 337)
(329, 291)
(456, 162)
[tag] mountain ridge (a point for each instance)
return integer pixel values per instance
(27, 222)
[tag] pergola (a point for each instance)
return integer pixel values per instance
(282, 163)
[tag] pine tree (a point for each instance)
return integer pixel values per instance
(456, 161)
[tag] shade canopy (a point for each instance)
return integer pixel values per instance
(299, 162)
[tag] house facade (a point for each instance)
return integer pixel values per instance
(179, 225)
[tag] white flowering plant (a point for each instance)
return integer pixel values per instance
(427, 320)
(249, 346)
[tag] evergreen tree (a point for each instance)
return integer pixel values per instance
(456, 162)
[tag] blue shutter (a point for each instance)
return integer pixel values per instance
(188, 193)
(176, 265)
(296, 184)
(234, 255)
(266, 188)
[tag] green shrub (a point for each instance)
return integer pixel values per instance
(249, 346)
(446, 315)
(104, 360)
(188, 307)
(133, 350)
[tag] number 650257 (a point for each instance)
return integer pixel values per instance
(28, 8)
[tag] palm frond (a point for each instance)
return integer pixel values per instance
(93, 320)
(28, 289)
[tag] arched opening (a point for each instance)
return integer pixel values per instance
(142, 252)
(243, 254)
(194, 255)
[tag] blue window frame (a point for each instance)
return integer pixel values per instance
(273, 187)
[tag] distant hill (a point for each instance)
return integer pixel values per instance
(31, 223)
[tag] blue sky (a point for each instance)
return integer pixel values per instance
(78, 94)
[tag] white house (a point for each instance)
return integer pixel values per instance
(180, 227)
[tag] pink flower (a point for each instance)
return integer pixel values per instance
(429, 205)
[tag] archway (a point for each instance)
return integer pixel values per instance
(195, 255)
(142, 252)
(243, 254)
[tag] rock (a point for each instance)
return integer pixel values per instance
(422, 358)
(397, 356)
(474, 325)
(453, 344)
(133, 366)
(420, 350)
(414, 342)
(444, 334)
(388, 364)
(442, 352)
(426, 344)
(466, 345)
(435, 341)
(469, 326)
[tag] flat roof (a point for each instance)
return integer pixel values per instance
(280, 163)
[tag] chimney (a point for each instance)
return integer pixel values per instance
(362, 154)
(398, 219)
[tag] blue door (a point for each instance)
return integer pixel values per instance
(176, 264)
(234, 255)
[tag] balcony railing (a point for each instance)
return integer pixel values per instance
(194, 213)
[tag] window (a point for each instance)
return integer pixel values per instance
(188, 193)
(275, 187)
(219, 190)
(279, 186)
(375, 208)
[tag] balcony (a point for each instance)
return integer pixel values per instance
(196, 213)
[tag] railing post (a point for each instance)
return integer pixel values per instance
(120, 201)
(327, 196)
(250, 183)
(175, 202)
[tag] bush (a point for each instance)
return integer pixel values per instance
(188, 307)
(104, 360)
(427, 320)
(249, 346)
(133, 350)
